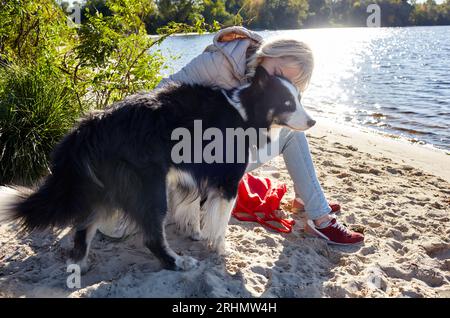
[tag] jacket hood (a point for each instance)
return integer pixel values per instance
(235, 51)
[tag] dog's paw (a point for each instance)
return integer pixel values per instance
(196, 236)
(221, 249)
(186, 263)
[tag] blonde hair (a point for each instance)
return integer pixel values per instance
(298, 54)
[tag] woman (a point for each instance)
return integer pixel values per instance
(230, 62)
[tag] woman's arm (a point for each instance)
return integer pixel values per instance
(222, 64)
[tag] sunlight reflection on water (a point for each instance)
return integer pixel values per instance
(393, 79)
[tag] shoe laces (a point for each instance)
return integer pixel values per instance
(341, 227)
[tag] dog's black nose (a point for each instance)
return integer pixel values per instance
(311, 122)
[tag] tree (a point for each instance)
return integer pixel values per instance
(430, 13)
(276, 14)
(178, 11)
(319, 13)
(215, 10)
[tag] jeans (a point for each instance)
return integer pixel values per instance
(295, 149)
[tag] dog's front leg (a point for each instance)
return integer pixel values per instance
(215, 220)
(184, 206)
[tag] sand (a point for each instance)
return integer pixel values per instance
(397, 193)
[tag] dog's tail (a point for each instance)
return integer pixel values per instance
(9, 197)
(53, 204)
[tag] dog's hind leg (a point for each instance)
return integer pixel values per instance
(82, 243)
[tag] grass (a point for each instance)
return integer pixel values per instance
(36, 109)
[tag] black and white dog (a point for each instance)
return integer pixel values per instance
(120, 159)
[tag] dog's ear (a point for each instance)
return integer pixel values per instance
(261, 77)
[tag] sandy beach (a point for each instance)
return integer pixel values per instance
(397, 193)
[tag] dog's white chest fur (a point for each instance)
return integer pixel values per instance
(208, 222)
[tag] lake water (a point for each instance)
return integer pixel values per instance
(396, 80)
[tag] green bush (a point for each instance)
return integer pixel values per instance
(111, 58)
(35, 112)
(51, 72)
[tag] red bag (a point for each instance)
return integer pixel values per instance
(257, 200)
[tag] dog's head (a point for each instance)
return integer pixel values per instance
(274, 101)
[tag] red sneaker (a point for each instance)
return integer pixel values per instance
(335, 233)
(299, 207)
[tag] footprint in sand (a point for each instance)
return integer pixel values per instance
(366, 170)
(329, 163)
(346, 154)
(397, 246)
(343, 175)
(445, 265)
(392, 170)
(368, 250)
(437, 205)
(407, 168)
(430, 276)
(338, 145)
(439, 250)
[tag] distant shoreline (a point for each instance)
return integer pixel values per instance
(315, 28)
